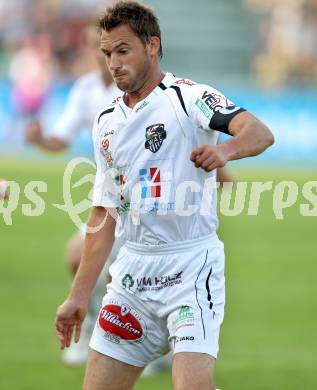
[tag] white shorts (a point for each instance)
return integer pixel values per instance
(164, 296)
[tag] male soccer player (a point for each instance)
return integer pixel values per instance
(158, 143)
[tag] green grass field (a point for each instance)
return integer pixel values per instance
(268, 339)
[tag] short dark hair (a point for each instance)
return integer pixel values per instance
(141, 19)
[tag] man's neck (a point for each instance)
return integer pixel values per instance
(153, 80)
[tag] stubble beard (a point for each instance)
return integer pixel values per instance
(138, 82)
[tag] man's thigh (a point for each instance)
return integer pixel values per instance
(106, 373)
(193, 371)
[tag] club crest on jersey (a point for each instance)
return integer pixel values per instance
(154, 137)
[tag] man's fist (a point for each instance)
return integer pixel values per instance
(209, 157)
(33, 132)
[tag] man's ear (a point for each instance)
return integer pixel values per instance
(154, 44)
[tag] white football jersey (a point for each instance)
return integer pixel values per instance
(87, 97)
(143, 161)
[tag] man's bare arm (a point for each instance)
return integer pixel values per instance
(250, 138)
(34, 135)
(97, 247)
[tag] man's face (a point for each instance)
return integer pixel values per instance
(92, 41)
(128, 59)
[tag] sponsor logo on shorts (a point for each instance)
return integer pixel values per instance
(127, 281)
(120, 323)
(158, 282)
(183, 338)
(185, 318)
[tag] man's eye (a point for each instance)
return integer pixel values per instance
(123, 51)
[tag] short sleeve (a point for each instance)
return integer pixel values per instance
(106, 191)
(210, 109)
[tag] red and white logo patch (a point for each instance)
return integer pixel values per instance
(105, 144)
(185, 81)
(122, 322)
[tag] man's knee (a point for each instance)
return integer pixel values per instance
(193, 371)
(106, 373)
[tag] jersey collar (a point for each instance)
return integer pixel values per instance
(168, 80)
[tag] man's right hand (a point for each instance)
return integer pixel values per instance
(33, 133)
(97, 247)
(69, 318)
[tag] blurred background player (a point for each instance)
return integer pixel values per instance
(90, 93)
(3, 189)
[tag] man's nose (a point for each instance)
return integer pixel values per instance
(114, 63)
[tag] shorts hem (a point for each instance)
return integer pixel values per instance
(121, 358)
(195, 350)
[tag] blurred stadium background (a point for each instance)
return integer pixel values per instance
(263, 55)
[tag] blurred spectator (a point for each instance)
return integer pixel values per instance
(42, 49)
(30, 85)
(288, 51)
(57, 24)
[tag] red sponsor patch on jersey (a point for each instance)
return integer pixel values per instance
(121, 321)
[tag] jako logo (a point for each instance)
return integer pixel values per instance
(184, 338)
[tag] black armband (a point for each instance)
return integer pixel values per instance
(221, 118)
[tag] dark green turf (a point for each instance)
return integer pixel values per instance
(268, 338)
